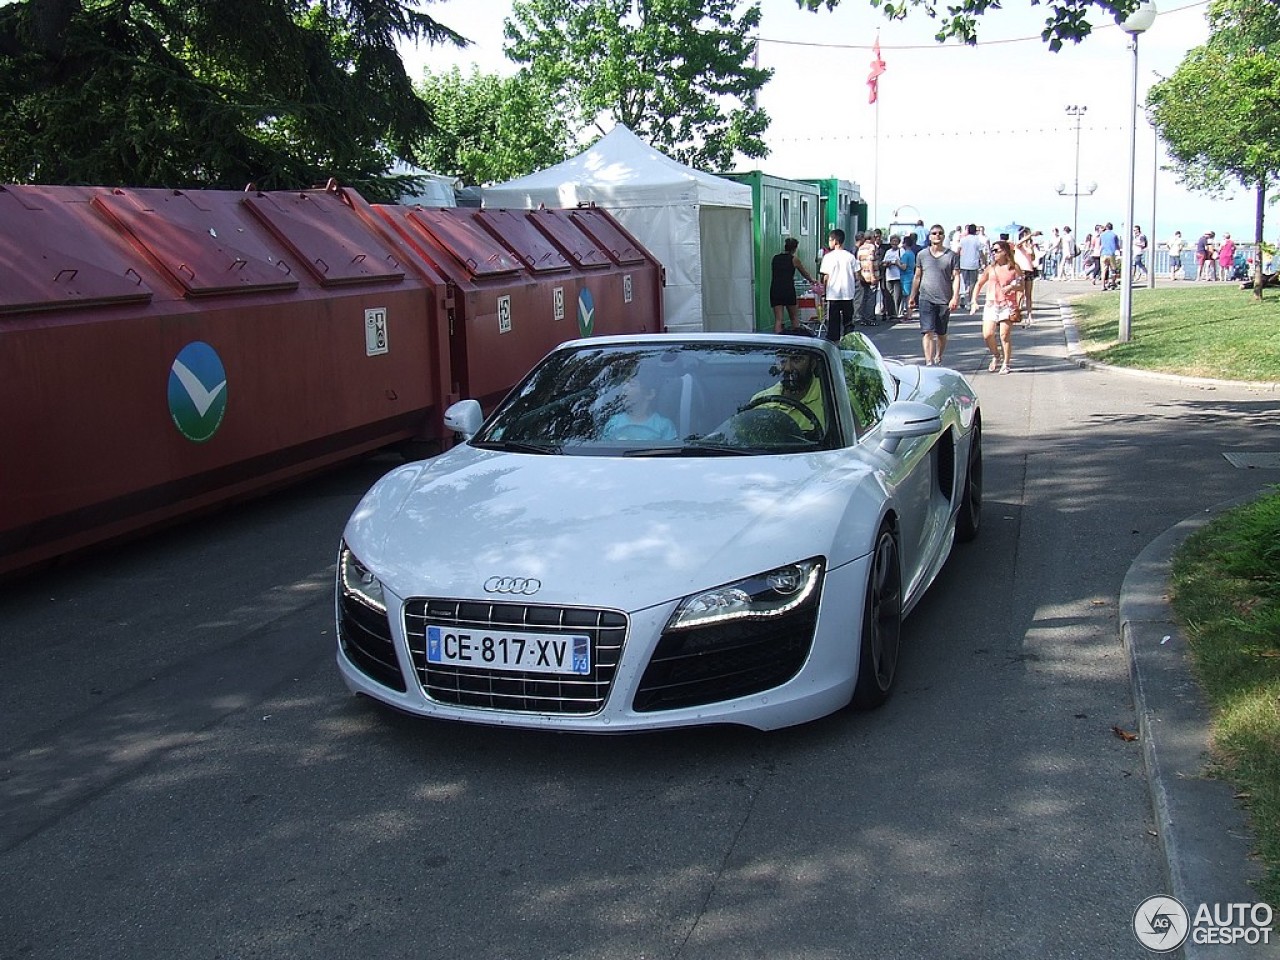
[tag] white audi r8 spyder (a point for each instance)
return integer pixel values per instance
(661, 531)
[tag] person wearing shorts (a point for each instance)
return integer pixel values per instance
(1003, 280)
(935, 293)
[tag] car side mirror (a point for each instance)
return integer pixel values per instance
(464, 417)
(907, 418)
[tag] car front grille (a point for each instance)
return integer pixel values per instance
(517, 691)
(693, 668)
(365, 636)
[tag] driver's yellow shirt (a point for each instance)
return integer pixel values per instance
(812, 399)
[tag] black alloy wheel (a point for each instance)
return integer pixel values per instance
(969, 517)
(881, 624)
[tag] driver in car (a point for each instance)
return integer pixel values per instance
(798, 384)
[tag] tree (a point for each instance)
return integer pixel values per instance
(1219, 114)
(489, 128)
(676, 72)
(1067, 19)
(217, 93)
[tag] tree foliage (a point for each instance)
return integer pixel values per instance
(217, 93)
(1219, 113)
(490, 128)
(1067, 19)
(678, 73)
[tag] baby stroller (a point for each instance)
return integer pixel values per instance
(1240, 267)
(812, 309)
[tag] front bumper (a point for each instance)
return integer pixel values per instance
(641, 680)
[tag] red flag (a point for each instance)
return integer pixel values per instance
(877, 68)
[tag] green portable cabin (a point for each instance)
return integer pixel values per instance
(842, 206)
(780, 209)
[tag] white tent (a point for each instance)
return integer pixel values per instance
(697, 225)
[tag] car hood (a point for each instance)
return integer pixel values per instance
(605, 531)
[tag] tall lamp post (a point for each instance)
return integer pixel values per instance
(1135, 24)
(1078, 112)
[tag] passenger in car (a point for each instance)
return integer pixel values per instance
(638, 420)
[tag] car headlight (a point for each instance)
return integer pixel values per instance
(766, 595)
(358, 582)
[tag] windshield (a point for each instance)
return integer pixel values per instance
(670, 398)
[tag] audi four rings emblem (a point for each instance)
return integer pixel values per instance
(524, 586)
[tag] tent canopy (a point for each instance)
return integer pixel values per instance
(697, 225)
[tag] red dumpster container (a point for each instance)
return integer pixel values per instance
(161, 351)
(520, 288)
(164, 351)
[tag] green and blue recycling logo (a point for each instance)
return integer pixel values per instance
(586, 313)
(197, 391)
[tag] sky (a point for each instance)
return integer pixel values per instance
(960, 134)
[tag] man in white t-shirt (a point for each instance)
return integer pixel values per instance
(1067, 265)
(839, 271)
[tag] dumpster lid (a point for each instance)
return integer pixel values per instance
(599, 226)
(39, 274)
(529, 244)
(579, 247)
(198, 259)
(480, 253)
(40, 277)
(317, 228)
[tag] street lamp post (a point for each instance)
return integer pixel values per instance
(1135, 24)
(1078, 112)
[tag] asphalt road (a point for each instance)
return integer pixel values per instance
(182, 773)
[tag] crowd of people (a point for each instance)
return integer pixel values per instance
(925, 274)
(876, 279)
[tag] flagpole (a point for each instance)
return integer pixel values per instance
(873, 84)
(875, 187)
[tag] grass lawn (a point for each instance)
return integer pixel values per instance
(1226, 592)
(1211, 330)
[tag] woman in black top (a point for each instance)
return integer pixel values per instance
(782, 285)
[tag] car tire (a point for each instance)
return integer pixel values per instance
(881, 634)
(969, 517)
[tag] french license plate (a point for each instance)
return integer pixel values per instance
(510, 651)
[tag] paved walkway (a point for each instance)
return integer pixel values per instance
(1204, 833)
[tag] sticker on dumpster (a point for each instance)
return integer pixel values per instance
(586, 313)
(197, 391)
(558, 301)
(504, 314)
(375, 331)
(626, 288)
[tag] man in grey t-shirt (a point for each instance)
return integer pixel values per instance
(936, 292)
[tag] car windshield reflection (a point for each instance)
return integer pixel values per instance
(677, 399)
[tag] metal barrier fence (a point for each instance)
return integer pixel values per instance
(1158, 261)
